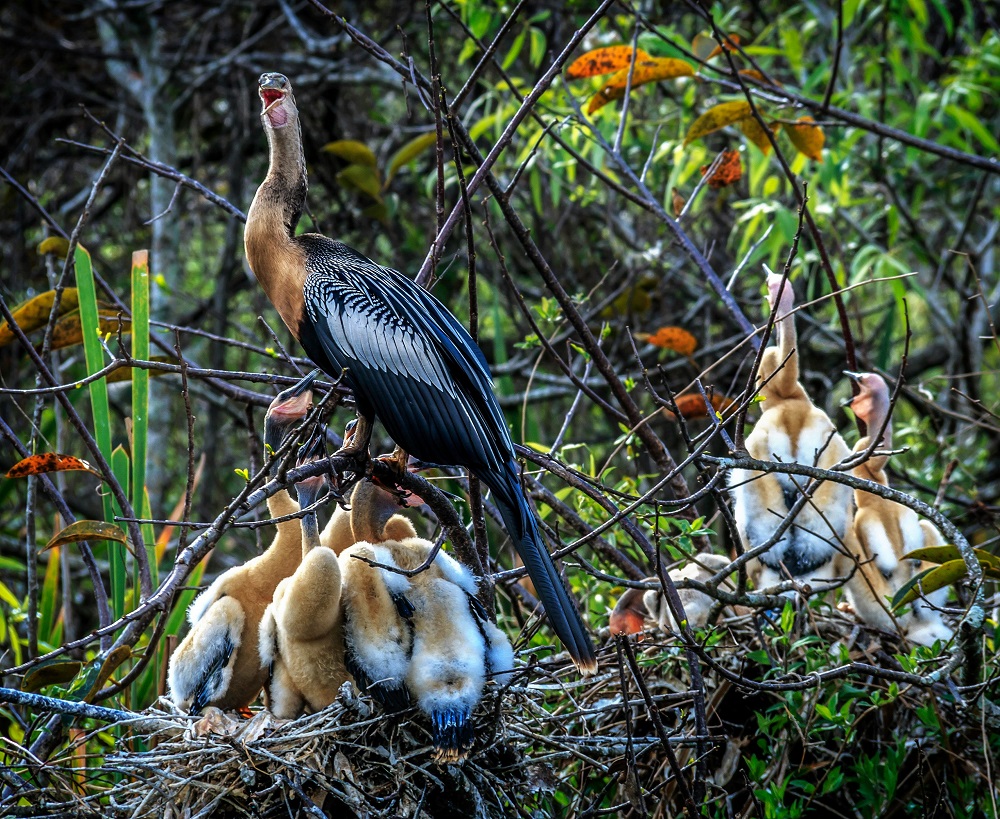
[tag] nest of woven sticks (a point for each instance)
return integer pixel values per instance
(541, 742)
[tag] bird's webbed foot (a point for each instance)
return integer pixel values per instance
(357, 436)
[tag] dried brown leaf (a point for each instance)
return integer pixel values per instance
(87, 530)
(728, 171)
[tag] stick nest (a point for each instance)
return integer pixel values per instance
(549, 740)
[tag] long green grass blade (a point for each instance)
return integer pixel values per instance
(140, 399)
(94, 354)
(47, 613)
(116, 553)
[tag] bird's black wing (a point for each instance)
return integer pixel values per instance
(406, 357)
(210, 685)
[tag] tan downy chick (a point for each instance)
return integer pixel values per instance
(791, 429)
(424, 637)
(884, 531)
(301, 636)
(636, 607)
(218, 662)
(377, 633)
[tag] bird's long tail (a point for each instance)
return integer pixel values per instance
(520, 523)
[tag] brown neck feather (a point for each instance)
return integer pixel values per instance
(874, 468)
(371, 510)
(285, 551)
(275, 259)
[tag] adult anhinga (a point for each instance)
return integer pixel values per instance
(407, 358)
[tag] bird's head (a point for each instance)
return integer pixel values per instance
(872, 401)
(276, 97)
(287, 409)
(784, 301)
(629, 615)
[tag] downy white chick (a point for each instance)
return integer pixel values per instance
(218, 662)
(791, 429)
(885, 531)
(301, 636)
(424, 637)
(637, 606)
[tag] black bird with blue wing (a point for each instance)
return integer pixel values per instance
(408, 360)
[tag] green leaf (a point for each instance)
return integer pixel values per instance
(537, 48)
(47, 611)
(410, 151)
(120, 466)
(942, 554)
(929, 581)
(353, 151)
(57, 671)
(515, 49)
(94, 355)
(968, 120)
(361, 178)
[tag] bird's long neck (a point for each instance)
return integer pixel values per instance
(871, 470)
(371, 509)
(786, 381)
(874, 468)
(277, 262)
(309, 491)
(285, 551)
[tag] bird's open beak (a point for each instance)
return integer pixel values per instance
(304, 384)
(273, 88)
(856, 380)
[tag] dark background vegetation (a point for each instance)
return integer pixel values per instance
(177, 83)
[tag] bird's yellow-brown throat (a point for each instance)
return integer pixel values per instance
(274, 257)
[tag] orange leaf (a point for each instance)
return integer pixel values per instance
(753, 72)
(716, 118)
(678, 202)
(735, 38)
(47, 462)
(751, 130)
(603, 61)
(807, 138)
(693, 406)
(648, 70)
(672, 338)
(728, 171)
